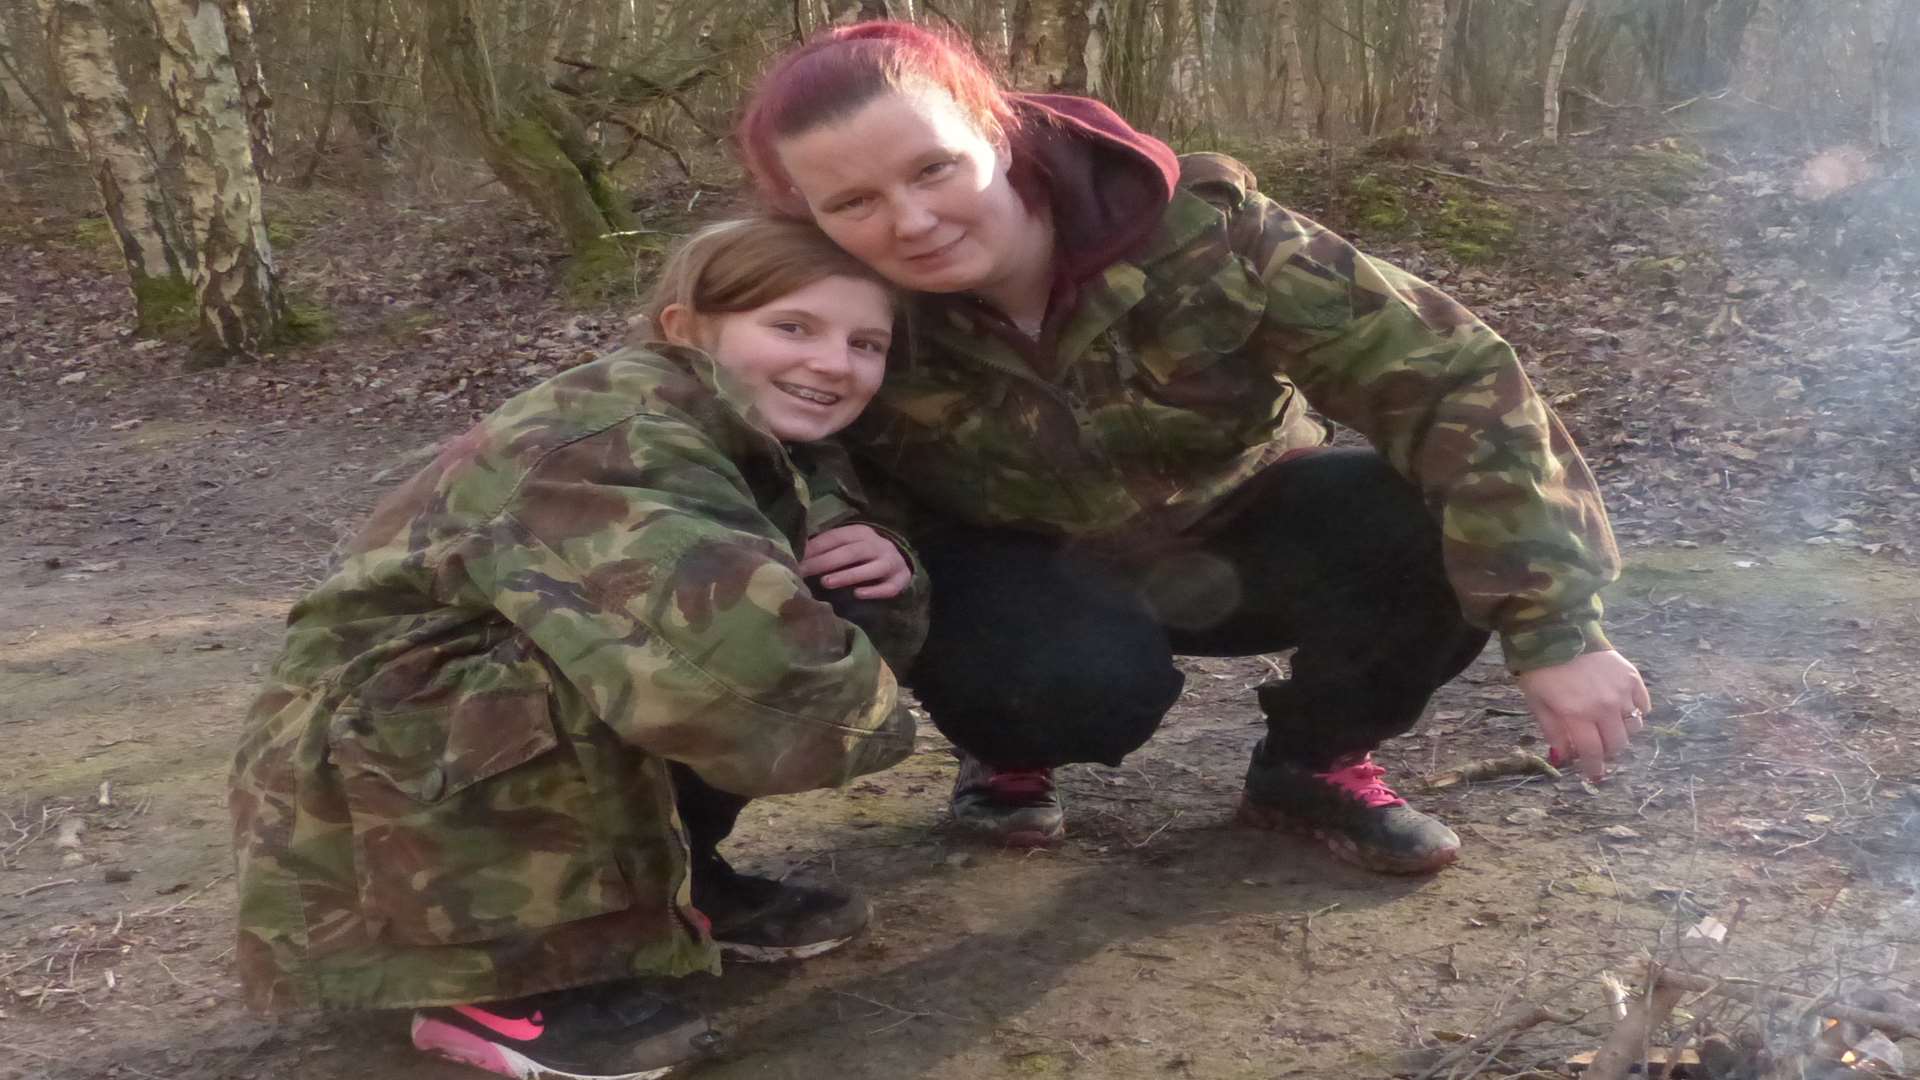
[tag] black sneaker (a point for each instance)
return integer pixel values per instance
(1351, 810)
(616, 1031)
(1013, 807)
(757, 920)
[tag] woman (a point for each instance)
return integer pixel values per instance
(1102, 425)
(490, 771)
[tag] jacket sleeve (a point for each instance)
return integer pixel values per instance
(639, 563)
(1443, 398)
(898, 625)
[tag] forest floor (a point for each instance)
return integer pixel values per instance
(1740, 362)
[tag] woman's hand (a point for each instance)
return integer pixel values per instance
(1588, 707)
(857, 555)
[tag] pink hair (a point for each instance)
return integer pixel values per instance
(838, 72)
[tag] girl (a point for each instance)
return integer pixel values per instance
(489, 772)
(1104, 425)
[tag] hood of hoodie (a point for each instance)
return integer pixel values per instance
(1106, 183)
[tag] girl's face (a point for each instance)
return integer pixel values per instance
(809, 361)
(909, 186)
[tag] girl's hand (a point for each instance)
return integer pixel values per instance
(857, 555)
(1588, 707)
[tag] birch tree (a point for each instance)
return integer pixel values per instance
(158, 254)
(1430, 33)
(1556, 66)
(252, 79)
(1288, 29)
(241, 306)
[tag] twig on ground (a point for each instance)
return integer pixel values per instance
(44, 886)
(1753, 993)
(1626, 1046)
(1503, 1029)
(189, 898)
(1158, 831)
(1517, 763)
(1306, 936)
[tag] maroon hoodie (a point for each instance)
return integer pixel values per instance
(1105, 183)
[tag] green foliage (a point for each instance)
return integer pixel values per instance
(1390, 203)
(1668, 170)
(96, 234)
(1377, 205)
(1470, 228)
(307, 324)
(616, 271)
(164, 307)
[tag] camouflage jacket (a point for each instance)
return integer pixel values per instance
(454, 785)
(1186, 369)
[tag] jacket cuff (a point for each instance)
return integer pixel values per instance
(1546, 644)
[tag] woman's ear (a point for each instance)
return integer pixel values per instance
(679, 324)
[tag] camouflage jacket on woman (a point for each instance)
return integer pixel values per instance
(454, 785)
(1185, 369)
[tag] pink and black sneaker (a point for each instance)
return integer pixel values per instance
(1349, 807)
(616, 1031)
(1014, 807)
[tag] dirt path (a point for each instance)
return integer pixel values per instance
(145, 567)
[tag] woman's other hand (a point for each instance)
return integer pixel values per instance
(857, 555)
(1588, 707)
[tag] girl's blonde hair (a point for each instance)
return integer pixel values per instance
(743, 264)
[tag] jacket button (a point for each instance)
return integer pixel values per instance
(434, 784)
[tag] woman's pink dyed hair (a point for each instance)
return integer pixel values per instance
(832, 76)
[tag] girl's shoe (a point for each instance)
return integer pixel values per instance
(614, 1031)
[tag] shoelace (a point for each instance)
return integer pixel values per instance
(1361, 779)
(1010, 785)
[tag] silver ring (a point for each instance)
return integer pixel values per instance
(1636, 715)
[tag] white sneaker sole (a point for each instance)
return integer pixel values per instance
(443, 1040)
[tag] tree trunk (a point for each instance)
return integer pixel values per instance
(1881, 16)
(1019, 40)
(159, 258)
(27, 69)
(241, 306)
(1075, 30)
(1430, 36)
(525, 133)
(1299, 124)
(1556, 64)
(1205, 15)
(253, 82)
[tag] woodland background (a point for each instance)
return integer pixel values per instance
(179, 108)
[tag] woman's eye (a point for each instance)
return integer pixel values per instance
(789, 327)
(871, 346)
(938, 168)
(853, 205)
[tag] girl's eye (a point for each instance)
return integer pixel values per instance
(789, 327)
(937, 169)
(871, 346)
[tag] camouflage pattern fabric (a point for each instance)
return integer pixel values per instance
(1188, 369)
(455, 787)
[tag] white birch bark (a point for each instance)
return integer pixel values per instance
(1288, 28)
(1430, 25)
(159, 258)
(252, 79)
(1882, 30)
(1096, 50)
(241, 307)
(1556, 64)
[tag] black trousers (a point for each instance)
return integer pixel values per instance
(1041, 654)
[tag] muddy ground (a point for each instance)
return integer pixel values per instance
(156, 522)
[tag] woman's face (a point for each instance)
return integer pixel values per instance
(909, 186)
(809, 361)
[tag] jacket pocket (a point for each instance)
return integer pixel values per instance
(471, 819)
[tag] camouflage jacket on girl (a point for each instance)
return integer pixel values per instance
(454, 786)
